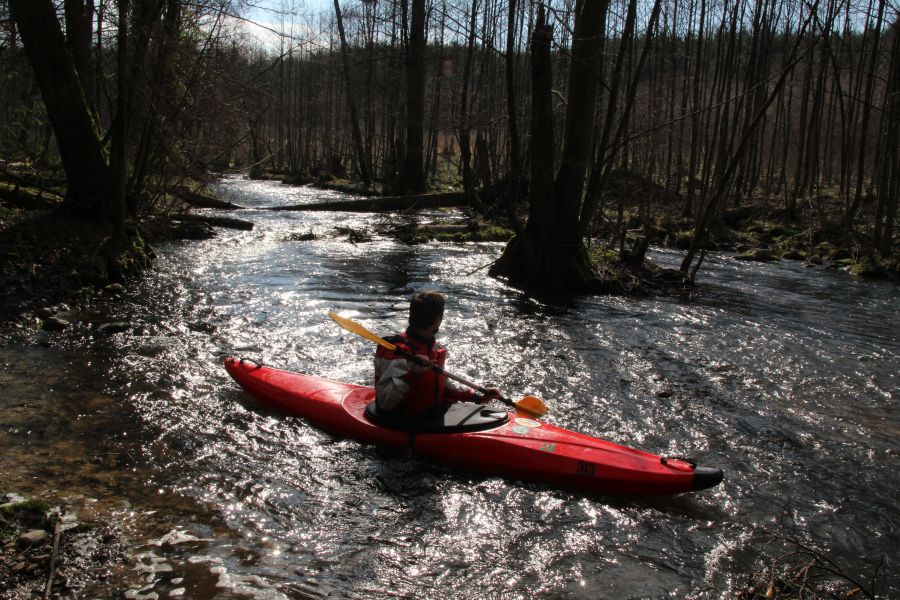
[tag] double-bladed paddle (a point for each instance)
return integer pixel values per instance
(528, 404)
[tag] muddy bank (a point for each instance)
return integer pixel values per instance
(85, 508)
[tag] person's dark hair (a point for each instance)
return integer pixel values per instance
(424, 308)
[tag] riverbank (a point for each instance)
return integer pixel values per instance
(84, 508)
(52, 262)
(63, 511)
(54, 552)
(757, 231)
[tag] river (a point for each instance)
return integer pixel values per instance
(784, 377)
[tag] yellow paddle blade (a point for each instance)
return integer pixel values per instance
(359, 330)
(532, 405)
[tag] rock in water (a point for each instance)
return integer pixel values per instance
(115, 327)
(35, 537)
(54, 324)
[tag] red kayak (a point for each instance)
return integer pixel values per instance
(473, 437)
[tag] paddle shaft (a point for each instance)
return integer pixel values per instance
(536, 408)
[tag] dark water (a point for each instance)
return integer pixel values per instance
(784, 377)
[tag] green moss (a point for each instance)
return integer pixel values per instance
(28, 197)
(602, 254)
(682, 239)
(841, 254)
(756, 255)
(495, 233)
(492, 233)
(868, 267)
(8, 214)
(794, 254)
(825, 248)
(28, 513)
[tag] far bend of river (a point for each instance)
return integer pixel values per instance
(784, 377)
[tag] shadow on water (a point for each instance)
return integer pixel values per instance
(771, 374)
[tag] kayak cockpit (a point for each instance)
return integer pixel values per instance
(459, 417)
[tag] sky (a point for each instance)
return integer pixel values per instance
(263, 18)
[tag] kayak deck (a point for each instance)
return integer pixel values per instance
(519, 448)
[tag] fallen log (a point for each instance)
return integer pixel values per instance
(385, 204)
(202, 200)
(28, 198)
(226, 222)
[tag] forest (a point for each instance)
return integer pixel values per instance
(591, 128)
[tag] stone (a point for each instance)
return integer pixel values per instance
(114, 327)
(794, 254)
(301, 237)
(35, 537)
(758, 255)
(192, 230)
(54, 324)
(114, 289)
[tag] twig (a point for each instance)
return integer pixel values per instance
(484, 266)
(57, 532)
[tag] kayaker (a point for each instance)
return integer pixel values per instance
(410, 388)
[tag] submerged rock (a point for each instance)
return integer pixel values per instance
(193, 230)
(757, 255)
(54, 324)
(114, 327)
(300, 237)
(794, 254)
(114, 289)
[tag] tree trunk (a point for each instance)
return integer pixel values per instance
(414, 165)
(465, 128)
(510, 60)
(551, 256)
(116, 196)
(79, 16)
(889, 187)
(696, 106)
(77, 135)
(364, 173)
(587, 43)
(864, 125)
(541, 205)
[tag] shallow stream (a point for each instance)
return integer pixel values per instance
(786, 378)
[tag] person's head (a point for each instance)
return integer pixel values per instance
(426, 310)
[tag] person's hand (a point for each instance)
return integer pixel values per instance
(488, 394)
(418, 364)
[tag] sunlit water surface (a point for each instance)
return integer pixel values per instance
(784, 377)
